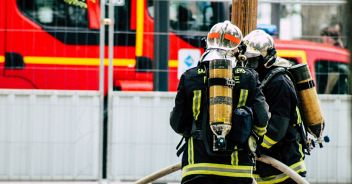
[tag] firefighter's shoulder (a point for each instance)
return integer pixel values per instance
(246, 73)
(195, 71)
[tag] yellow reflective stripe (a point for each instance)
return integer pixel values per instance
(265, 145)
(299, 119)
(259, 130)
(267, 142)
(190, 151)
(297, 167)
(234, 157)
(76, 61)
(140, 27)
(271, 180)
(218, 169)
(197, 94)
(243, 97)
(300, 149)
(173, 63)
(2, 59)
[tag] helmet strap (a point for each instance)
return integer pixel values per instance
(270, 58)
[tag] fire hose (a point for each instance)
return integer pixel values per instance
(163, 172)
(265, 159)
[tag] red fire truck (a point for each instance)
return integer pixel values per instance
(54, 44)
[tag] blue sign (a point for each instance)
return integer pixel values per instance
(189, 61)
(268, 28)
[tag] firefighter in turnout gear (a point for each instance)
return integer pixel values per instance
(202, 162)
(282, 140)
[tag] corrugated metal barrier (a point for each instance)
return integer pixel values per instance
(49, 135)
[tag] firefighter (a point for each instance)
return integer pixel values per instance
(190, 116)
(282, 140)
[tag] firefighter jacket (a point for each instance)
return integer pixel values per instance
(190, 111)
(282, 140)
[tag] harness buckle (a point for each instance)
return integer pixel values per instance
(231, 83)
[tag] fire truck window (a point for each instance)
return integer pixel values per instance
(332, 77)
(190, 15)
(122, 13)
(58, 13)
(193, 15)
(150, 4)
(192, 20)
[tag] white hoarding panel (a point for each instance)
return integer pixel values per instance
(49, 135)
(143, 141)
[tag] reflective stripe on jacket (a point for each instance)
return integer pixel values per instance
(298, 167)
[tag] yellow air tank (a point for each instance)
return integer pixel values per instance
(220, 101)
(309, 102)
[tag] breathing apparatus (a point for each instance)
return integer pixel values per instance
(222, 40)
(309, 103)
(309, 107)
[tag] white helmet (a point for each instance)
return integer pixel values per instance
(224, 36)
(259, 40)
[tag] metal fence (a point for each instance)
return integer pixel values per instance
(55, 136)
(143, 142)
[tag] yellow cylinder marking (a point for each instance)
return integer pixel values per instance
(220, 73)
(220, 113)
(220, 91)
(310, 107)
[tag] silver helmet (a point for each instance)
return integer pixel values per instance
(258, 40)
(224, 36)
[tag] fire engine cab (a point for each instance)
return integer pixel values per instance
(54, 44)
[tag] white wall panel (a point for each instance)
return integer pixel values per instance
(49, 135)
(332, 163)
(54, 135)
(143, 142)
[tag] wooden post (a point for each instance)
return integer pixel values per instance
(244, 15)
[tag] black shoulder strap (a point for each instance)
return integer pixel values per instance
(271, 74)
(276, 71)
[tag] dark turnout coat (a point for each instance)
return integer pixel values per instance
(282, 140)
(190, 114)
